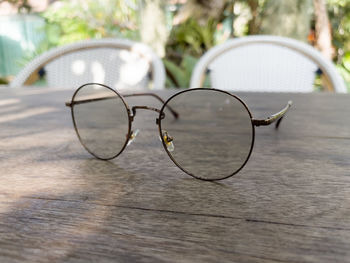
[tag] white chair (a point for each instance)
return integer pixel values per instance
(266, 64)
(118, 63)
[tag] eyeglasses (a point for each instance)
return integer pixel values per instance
(208, 133)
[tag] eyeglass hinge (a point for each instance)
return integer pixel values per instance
(131, 116)
(260, 122)
(162, 116)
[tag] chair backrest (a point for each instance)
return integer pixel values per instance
(118, 63)
(266, 63)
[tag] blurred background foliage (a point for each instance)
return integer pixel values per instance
(70, 21)
(339, 13)
(181, 31)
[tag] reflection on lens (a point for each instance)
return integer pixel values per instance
(213, 136)
(101, 120)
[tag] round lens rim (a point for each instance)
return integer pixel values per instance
(76, 129)
(214, 90)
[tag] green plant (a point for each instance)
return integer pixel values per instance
(180, 75)
(74, 20)
(187, 42)
(344, 69)
(339, 14)
(192, 38)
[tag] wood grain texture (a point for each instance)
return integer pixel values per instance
(290, 203)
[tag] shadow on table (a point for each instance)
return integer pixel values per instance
(103, 210)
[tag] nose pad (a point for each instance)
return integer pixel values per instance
(133, 136)
(168, 141)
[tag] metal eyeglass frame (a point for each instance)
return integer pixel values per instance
(132, 113)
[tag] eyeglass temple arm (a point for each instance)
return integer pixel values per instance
(275, 117)
(70, 104)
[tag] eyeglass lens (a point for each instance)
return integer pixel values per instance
(101, 124)
(213, 136)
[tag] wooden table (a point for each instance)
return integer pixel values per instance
(290, 203)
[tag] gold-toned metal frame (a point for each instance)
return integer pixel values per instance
(132, 113)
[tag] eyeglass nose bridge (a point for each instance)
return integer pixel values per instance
(134, 108)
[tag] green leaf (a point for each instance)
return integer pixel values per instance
(346, 61)
(177, 72)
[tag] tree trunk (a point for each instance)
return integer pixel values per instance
(323, 29)
(201, 10)
(253, 23)
(153, 25)
(290, 18)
